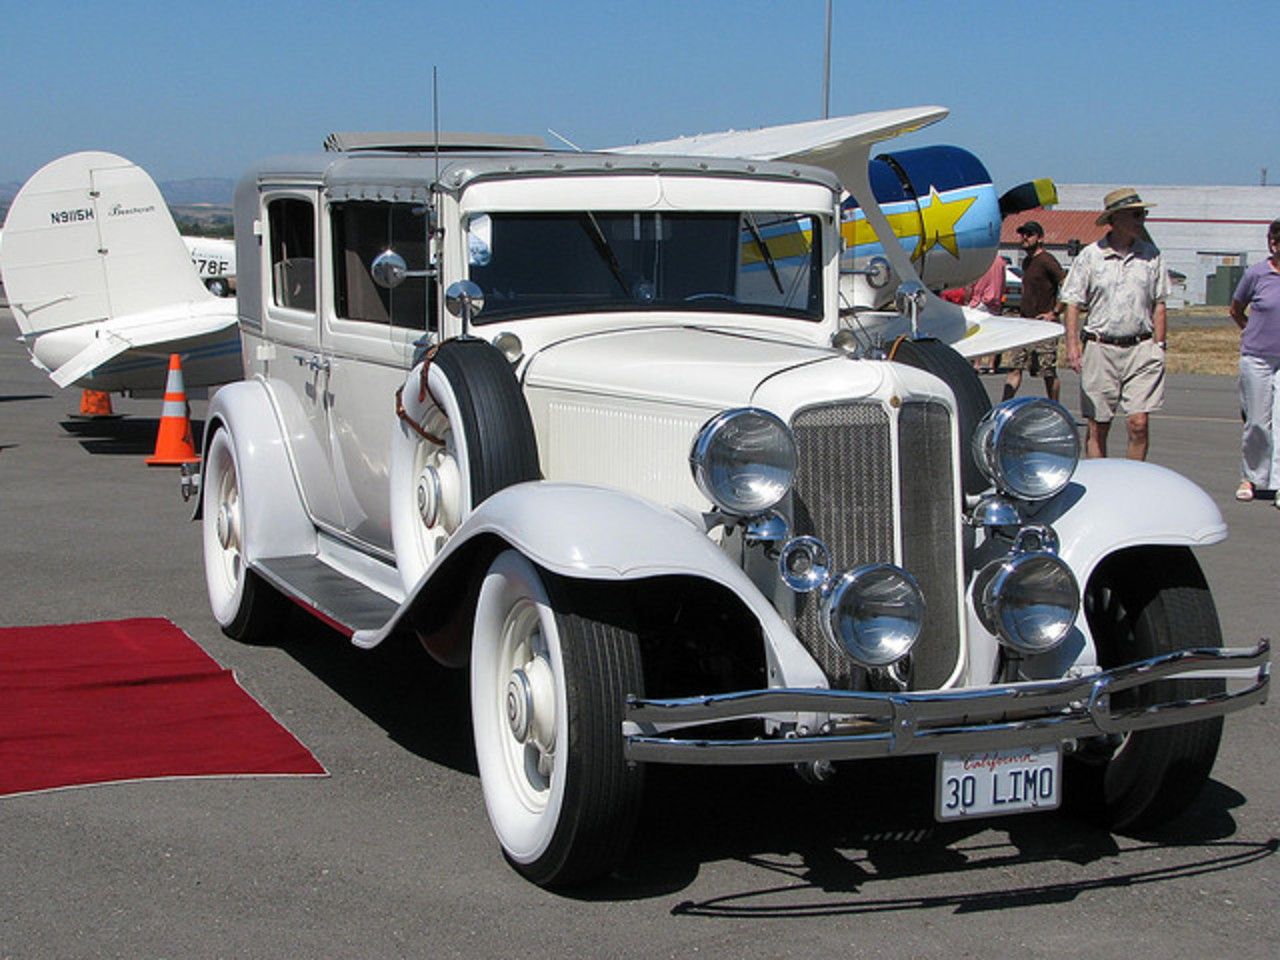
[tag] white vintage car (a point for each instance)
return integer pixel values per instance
(596, 427)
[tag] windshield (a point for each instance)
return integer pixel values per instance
(535, 264)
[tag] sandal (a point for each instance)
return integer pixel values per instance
(1244, 492)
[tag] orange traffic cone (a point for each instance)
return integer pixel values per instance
(94, 405)
(173, 440)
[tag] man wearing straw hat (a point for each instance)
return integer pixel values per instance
(1119, 352)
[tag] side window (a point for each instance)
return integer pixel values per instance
(291, 226)
(362, 230)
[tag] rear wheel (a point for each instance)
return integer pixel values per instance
(244, 605)
(548, 686)
(1140, 604)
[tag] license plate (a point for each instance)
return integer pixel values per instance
(997, 782)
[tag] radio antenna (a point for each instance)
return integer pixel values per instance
(435, 118)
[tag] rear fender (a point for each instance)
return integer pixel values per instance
(275, 517)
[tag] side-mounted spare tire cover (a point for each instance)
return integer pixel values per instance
(463, 405)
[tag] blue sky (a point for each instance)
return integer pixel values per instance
(1080, 90)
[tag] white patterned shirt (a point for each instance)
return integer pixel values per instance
(1120, 291)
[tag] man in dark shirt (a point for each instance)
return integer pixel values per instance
(1042, 275)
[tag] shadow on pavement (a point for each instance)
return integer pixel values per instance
(825, 851)
(16, 397)
(422, 706)
(123, 436)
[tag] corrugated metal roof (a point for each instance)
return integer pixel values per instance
(1060, 226)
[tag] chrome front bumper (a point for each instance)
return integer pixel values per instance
(846, 725)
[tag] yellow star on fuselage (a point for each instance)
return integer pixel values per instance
(940, 218)
(932, 225)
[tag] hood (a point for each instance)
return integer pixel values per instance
(691, 367)
(621, 409)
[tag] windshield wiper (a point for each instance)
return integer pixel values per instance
(764, 249)
(601, 243)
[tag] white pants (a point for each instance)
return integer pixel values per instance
(1260, 401)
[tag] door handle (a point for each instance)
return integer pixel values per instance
(313, 362)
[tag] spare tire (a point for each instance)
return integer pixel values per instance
(456, 443)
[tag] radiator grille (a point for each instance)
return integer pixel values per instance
(843, 496)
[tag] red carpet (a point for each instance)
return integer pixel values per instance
(128, 700)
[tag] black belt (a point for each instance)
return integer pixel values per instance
(1115, 341)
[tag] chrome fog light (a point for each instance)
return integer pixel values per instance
(873, 614)
(744, 460)
(1029, 600)
(805, 564)
(1027, 447)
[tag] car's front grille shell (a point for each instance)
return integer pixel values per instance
(843, 495)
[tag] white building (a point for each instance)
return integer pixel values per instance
(1208, 235)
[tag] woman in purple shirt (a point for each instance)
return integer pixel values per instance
(1255, 308)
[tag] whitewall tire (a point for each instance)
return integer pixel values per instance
(548, 689)
(245, 607)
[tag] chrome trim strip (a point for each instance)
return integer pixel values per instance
(863, 725)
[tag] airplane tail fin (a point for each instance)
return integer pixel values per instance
(89, 238)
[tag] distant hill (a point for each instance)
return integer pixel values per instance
(204, 200)
(212, 190)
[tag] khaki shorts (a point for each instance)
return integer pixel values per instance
(1039, 359)
(1121, 380)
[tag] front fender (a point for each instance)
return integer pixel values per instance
(275, 519)
(594, 533)
(1111, 505)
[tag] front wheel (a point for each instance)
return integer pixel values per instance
(1143, 603)
(548, 687)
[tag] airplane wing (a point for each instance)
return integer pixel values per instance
(989, 334)
(843, 145)
(824, 143)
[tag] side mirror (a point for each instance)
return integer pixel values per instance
(464, 299)
(388, 269)
(877, 271)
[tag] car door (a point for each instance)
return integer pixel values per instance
(369, 335)
(300, 373)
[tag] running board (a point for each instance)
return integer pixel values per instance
(343, 603)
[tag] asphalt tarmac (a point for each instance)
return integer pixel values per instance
(391, 855)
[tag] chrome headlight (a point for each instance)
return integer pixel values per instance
(1030, 600)
(873, 614)
(744, 460)
(1027, 447)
